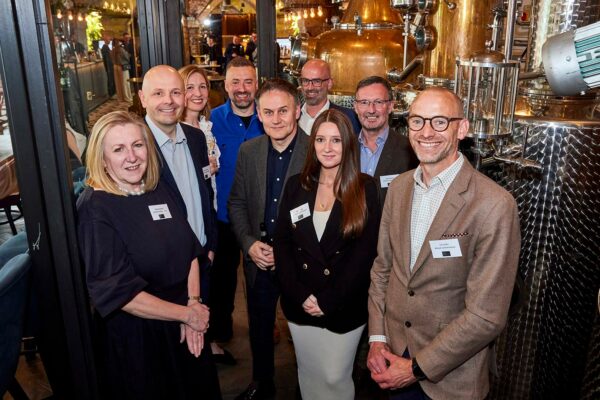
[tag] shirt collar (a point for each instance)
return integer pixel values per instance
(381, 138)
(230, 110)
(322, 110)
(445, 178)
(161, 137)
(288, 149)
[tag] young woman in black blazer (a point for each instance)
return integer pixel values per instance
(325, 244)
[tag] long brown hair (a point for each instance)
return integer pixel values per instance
(186, 72)
(349, 186)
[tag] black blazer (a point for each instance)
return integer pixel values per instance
(397, 156)
(335, 270)
(198, 149)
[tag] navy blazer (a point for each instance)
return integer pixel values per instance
(198, 149)
(336, 270)
(356, 126)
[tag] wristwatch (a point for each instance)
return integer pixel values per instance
(417, 371)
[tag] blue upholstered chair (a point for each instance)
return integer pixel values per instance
(14, 291)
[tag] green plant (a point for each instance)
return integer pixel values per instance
(94, 27)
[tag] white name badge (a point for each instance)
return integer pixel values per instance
(386, 180)
(206, 172)
(445, 248)
(299, 213)
(160, 211)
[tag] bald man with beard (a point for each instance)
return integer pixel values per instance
(315, 82)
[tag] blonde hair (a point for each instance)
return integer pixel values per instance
(98, 178)
(185, 73)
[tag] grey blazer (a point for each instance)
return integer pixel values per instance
(396, 157)
(247, 198)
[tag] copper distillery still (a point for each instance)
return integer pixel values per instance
(368, 41)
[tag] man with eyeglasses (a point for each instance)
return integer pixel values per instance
(448, 251)
(315, 82)
(384, 153)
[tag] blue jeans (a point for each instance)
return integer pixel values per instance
(262, 305)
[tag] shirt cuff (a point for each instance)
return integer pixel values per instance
(377, 338)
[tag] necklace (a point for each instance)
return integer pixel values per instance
(138, 192)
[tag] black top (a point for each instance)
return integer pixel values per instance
(336, 270)
(277, 167)
(126, 251)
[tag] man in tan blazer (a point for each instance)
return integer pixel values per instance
(448, 251)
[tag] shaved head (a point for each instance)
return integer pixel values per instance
(448, 97)
(163, 97)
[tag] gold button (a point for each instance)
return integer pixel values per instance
(304, 266)
(294, 226)
(326, 272)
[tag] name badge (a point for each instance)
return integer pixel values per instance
(299, 213)
(386, 180)
(160, 211)
(445, 248)
(206, 172)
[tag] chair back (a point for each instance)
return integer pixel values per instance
(14, 289)
(15, 245)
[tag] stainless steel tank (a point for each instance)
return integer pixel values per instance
(549, 342)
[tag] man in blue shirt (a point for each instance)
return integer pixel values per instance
(384, 153)
(233, 123)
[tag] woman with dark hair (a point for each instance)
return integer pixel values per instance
(325, 244)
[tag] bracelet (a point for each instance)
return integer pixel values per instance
(195, 298)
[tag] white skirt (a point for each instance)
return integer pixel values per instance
(325, 360)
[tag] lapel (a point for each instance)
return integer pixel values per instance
(387, 155)
(451, 205)
(260, 168)
(298, 155)
(319, 249)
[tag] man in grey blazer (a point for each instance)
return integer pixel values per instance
(384, 152)
(263, 166)
(448, 251)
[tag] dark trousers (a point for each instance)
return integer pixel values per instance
(412, 392)
(223, 281)
(262, 304)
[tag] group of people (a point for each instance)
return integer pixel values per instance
(234, 49)
(119, 62)
(331, 218)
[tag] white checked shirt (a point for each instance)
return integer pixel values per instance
(426, 202)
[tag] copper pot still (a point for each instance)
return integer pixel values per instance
(453, 29)
(367, 41)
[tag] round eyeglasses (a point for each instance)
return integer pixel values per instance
(437, 123)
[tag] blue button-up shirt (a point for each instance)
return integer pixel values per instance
(179, 159)
(368, 158)
(230, 132)
(277, 166)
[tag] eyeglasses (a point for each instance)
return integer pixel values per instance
(364, 104)
(317, 82)
(437, 123)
